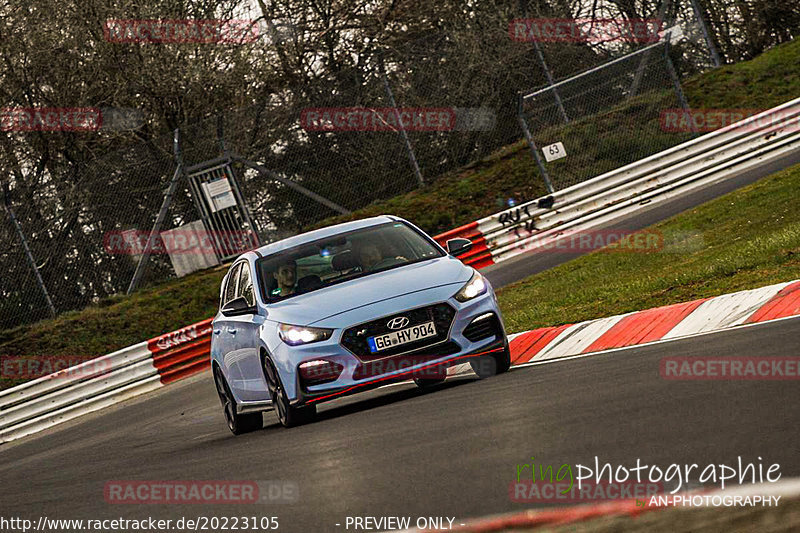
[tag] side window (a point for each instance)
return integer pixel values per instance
(230, 289)
(246, 285)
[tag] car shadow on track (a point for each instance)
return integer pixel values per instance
(350, 405)
(355, 405)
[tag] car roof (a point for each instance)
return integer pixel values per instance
(316, 234)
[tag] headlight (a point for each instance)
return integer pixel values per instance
(294, 335)
(474, 287)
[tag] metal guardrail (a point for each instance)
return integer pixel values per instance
(716, 156)
(104, 381)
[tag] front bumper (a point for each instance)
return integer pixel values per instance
(428, 369)
(360, 375)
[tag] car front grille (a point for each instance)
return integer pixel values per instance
(483, 329)
(355, 338)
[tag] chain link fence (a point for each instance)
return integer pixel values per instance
(604, 118)
(304, 153)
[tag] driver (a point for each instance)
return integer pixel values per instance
(286, 275)
(369, 256)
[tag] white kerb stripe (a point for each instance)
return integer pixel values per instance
(575, 339)
(724, 311)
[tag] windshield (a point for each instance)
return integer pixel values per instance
(343, 257)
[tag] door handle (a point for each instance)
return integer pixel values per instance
(217, 331)
(232, 331)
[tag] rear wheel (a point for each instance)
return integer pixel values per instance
(490, 365)
(237, 423)
(288, 415)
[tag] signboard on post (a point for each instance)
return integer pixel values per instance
(554, 151)
(219, 194)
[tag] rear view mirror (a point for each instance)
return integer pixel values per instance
(458, 246)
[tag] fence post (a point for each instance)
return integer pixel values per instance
(28, 254)
(698, 13)
(551, 82)
(637, 78)
(234, 181)
(162, 214)
(676, 83)
(409, 148)
(524, 125)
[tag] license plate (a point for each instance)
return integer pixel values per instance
(403, 336)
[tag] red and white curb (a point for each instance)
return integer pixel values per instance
(783, 490)
(147, 366)
(652, 325)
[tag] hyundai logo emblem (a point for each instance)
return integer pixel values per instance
(397, 322)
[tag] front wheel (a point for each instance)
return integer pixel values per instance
(288, 415)
(237, 423)
(490, 365)
(431, 379)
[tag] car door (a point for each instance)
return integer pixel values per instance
(244, 333)
(224, 341)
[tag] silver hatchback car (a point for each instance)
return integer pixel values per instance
(344, 309)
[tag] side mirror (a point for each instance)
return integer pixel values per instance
(458, 246)
(238, 306)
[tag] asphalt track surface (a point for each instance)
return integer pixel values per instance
(448, 452)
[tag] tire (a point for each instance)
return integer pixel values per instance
(490, 365)
(424, 383)
(237, 423)
(288, 415)
(438, 376)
